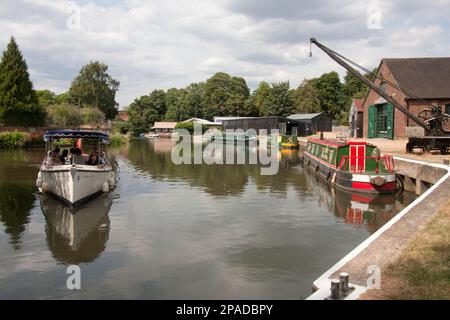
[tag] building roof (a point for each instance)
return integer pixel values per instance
(427, 78)
(358, 104)
(304, 116)
(202, 121)
(220, 119)
(164, 125)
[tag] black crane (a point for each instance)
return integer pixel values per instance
(431, 119)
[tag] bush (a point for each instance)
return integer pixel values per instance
(117, 139)
(15, 139)
(122, 126)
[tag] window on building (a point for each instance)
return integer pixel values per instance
(447, 109)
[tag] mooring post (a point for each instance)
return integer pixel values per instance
(344, 281)
(335, 289)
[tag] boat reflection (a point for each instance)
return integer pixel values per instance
(77, 235)
(370, 211)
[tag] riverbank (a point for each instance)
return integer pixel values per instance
(422, 269)
(391, 241)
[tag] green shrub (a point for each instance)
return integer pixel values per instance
(35, 141)
(15, 139)
(122, 127)
(117, 139)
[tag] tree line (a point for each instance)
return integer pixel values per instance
(89, 100)
(226, 95)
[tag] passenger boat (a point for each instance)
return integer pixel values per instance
(74, 181)
(354, 166)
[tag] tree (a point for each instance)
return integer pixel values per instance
(157, 101)
(45, 97)
(173, 105)
(331, 96)
(92, 116)
(94, 87)
(64, 115)
(192, 101)
(225, 95)
(261, 94)
(279, 101)
(355, 88)
(19, 104)
(306, 98)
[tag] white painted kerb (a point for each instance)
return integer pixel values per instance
(323, 282)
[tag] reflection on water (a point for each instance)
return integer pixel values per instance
(16, 192)
(16, 201)
(181, 231)
(77, 235)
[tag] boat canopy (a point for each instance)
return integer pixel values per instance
(76, 134)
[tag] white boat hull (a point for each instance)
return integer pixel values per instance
(75, 184)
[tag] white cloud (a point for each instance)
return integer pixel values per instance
(164, 44)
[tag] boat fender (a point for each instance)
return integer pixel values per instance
(378, 181)
(111, 183)
(333, 179)
(105, 187)
(39, 181)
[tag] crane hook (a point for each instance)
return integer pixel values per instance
(310, 49)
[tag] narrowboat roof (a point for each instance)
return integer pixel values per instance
(338, 143)
(75, 134)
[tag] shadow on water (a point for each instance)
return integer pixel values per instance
(77, 235)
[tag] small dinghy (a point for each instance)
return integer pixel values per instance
(76, 177)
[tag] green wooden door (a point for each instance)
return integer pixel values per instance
(371, 124)
(389, 121)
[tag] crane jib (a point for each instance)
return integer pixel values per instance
(371, 85)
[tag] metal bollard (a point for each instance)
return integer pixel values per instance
(335, 289)
(343, 277)
(446, 161)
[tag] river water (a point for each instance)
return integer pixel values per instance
(180, 231)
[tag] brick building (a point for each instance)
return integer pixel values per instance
(426, 78)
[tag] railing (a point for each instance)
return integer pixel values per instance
(369, 163)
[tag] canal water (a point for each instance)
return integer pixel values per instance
(180, 231)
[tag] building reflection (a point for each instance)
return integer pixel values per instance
(77, 235)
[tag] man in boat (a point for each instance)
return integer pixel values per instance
(55, 155)
(64, 156)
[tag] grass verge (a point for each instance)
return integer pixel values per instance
(422, 271)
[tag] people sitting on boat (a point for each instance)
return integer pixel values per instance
(94, 159)
(102, 157)
(55, 154)
(78, 157)
(64, 156)
(74, 150)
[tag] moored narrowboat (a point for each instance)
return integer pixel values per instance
(355, 166)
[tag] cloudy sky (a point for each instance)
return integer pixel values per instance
(163, 44)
